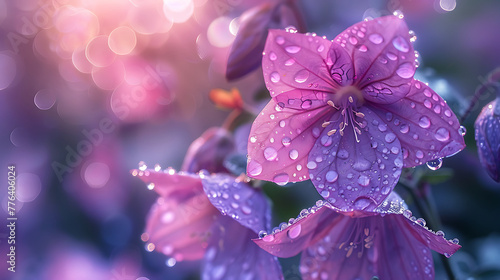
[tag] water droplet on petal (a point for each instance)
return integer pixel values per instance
(400, 44)
(294, 232)
(392, 56)
(363, 48)
(424, 122)
(292, 49)
(254, 168)
(361, 165)
(442, 134)
(462, 130)
(290, 62)
(280, 40)
(320, 48)
(419, 154)
(326, 140)
(273, 56)
(306, 104)
(275, 77)
(331, 176)
(406, 70)
(281, 179)
(353, 40)
(343, 154)
(362, 203)
(404, 128)
(282, 123)
(294, 154)
(262, 233)
(390, 137)
(435, 164)
(363, 180)
(302, 76)
(376, 38)
(286, 141)
(270, 153)
(311, 165)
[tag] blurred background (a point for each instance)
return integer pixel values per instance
(89, 88)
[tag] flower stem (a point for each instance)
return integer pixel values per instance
(491, 79)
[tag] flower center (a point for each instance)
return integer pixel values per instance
(347, 100)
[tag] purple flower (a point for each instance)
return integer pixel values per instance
(348, 113)
(245, 55)
(387, 242)
(487, 133)
(209, 217)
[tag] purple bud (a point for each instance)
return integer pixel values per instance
(487, 135)
(209, 151)
(246, 51)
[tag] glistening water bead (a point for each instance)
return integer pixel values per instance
(435, 164)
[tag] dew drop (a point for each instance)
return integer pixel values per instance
(306, 104)
(362, 203)
(435, 164)
(275, 77)
(302, 76)
(292, 49)
(331, 176)
(400, 44)
(281, 179)
(404, 128)
(442, 134)
(325, 193)
(270, 153)
(385, 190)
(361, 165)
(286, 141)
(427, 104)
(343, 154)
(282, 123)
(462, 130)
(376, 38)
(392, 56)
(294, 154)
(363, 180)
(419, 154)
(388, 116)
(424, 122)
(254, 168)
(406, 70)
(447, 113)
(390, 137)
(316, 132)
(326, 140)
(353, 40)
(363, 48)
(294, 232)
(398, 162)
(273, 56)
(290, 62)
(262, 233)
(311, 165)
(320, 48)
(280, 40)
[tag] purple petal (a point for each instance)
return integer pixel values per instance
(297, 62)
(423, 123)
(238, 200)
(303, 232)
(169, 183)
(209, 151)
(280, 140)
(383, 56)
(180, 229)
(487, 134)
(360, 248)
(231, 254)
(355, 175)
